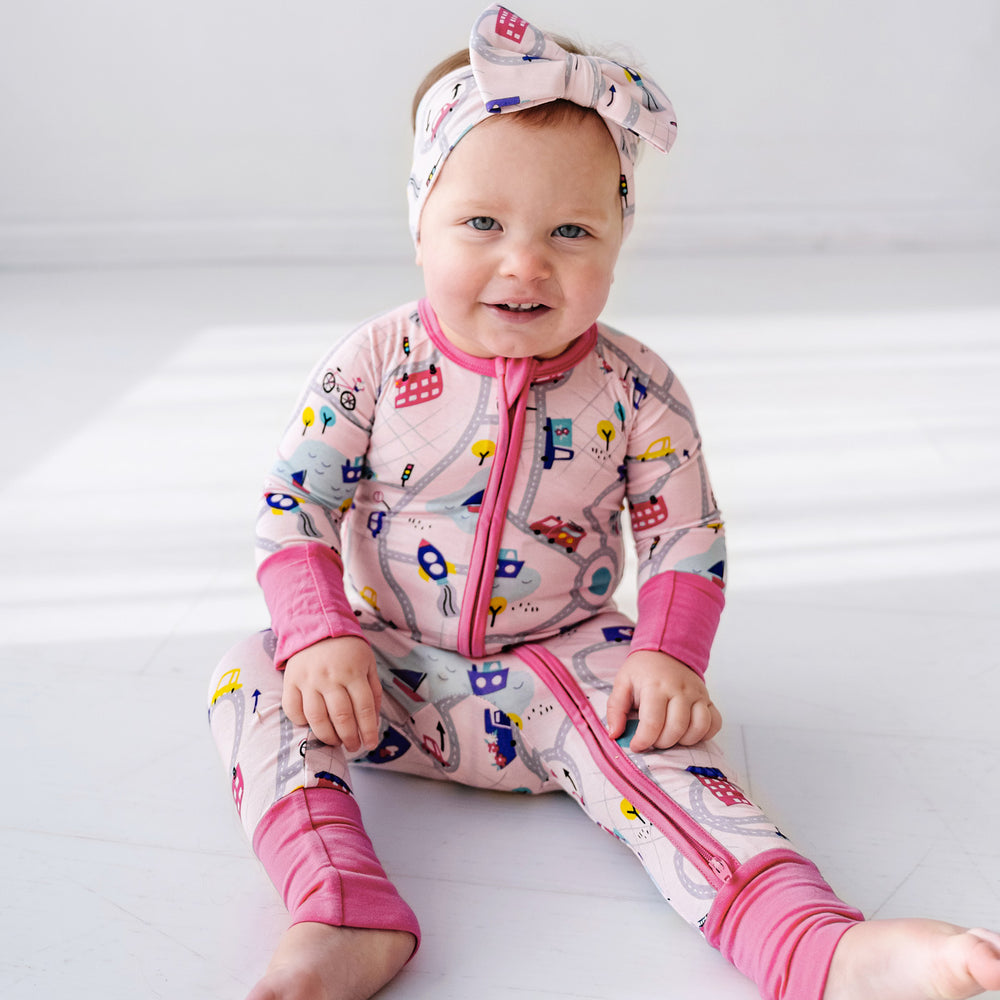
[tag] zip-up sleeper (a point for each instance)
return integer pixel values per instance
(472, 506)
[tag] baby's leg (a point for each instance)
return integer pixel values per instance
(350, 931)
(726, 868)
(714, 855)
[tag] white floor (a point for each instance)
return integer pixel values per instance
(851, 413)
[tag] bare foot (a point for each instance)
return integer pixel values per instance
(320, 962)
(913, 960)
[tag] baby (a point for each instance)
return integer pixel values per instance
(439, 548)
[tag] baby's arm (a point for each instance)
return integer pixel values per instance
(680, 549)
(330, 681)
(672, 701)
(332, 686)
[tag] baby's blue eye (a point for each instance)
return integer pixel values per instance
(482, 223)
(571, 232)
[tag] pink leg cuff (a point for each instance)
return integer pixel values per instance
(314, 848)
(779, 922)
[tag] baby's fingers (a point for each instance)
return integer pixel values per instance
(704, 724)
(365, 705)
(319, 717)
(676, 725)
(652, 721)
(342, 713)
(291, 704)
(699, 723)
(619, 705)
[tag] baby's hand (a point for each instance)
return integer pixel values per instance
(673, 703)
(332, 687)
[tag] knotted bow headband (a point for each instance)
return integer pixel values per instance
(516, 66)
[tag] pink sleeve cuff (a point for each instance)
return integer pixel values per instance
(304, 589)
(679, 615)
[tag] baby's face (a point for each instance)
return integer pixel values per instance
(520, 234)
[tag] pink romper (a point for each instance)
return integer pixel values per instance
(462, 515)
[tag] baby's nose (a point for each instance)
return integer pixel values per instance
(526, 260)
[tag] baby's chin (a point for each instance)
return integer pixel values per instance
(519, 338)
(528, 351)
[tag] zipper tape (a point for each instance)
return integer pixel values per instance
(490, 524)
(716, 864)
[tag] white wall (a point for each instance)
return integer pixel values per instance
(141, 130)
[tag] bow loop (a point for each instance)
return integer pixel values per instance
(584, 83)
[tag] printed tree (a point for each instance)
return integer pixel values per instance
(483, 450)
(607, 431)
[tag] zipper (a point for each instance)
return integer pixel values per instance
(513, 380)
(716, 864)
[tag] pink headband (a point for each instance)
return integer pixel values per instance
(516, 66)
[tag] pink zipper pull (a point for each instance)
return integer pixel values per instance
(721, 869)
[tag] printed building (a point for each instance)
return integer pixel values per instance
(419, 387)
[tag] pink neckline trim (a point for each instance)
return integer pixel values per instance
(544, 367)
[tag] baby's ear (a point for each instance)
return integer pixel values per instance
(418, 259)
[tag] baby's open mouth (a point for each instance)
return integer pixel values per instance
(519, 306)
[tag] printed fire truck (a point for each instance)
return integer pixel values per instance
(559, 532)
